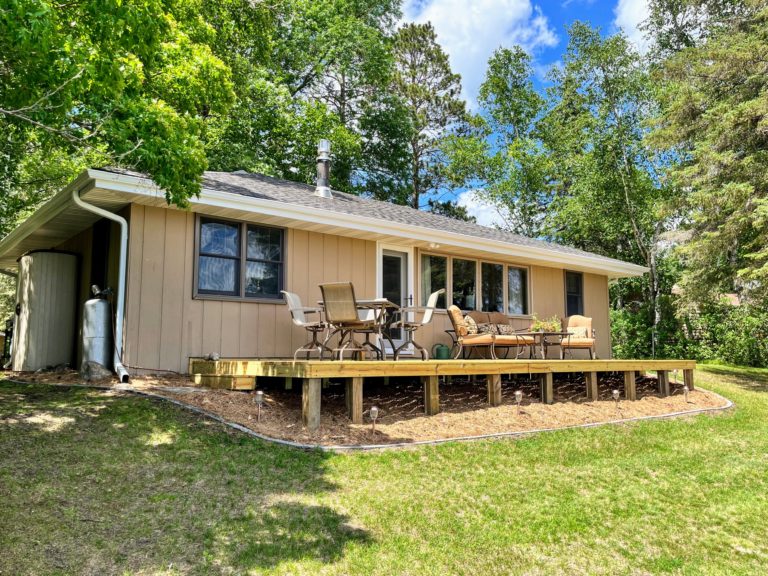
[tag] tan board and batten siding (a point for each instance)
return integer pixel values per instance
(165, 325)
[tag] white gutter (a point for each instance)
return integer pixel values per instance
(215, 198)
(120, 370)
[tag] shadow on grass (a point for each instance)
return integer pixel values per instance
(109, 483)
(751, 379)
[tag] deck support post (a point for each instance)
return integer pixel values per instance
(310, 403)
(354, 397)
(663, 376)
(630, 391)
(288, 383)
(494, 389)
(431, 394)
(545, 380)
(688, 378)
(591, 378)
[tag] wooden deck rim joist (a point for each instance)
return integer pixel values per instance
(348, 368)
(312, 373)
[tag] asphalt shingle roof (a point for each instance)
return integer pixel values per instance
(268, 188)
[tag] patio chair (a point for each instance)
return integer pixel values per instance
(409, 327)
(463, 338)
(299, 317)
(581, 336)
(341, 313)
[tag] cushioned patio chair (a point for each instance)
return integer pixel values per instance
(409, 327)
(581, 336)
(299, 317)
(465, 335)
(497, 323)
(342, 315)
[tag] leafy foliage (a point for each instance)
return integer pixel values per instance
(430, 94)
(714, 115)
(502, 155)
(124, 78)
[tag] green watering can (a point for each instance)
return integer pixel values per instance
(441, 352)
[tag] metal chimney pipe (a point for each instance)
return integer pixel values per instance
(323, 188)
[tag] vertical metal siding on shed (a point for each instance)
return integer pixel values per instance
(45, 332)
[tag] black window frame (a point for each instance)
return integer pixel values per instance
(579, 295)
(241, 259)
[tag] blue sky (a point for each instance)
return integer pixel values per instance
(470, 30)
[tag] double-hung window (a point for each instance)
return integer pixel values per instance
(434, 276)
(493, 287)
(574, 293)
(517, 291)
(239, 260)
(464, 288)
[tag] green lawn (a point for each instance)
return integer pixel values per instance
(98, 484)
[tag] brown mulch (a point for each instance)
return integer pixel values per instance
(463, 403)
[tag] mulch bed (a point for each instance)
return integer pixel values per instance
(464, 407)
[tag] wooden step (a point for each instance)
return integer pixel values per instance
(225, 382)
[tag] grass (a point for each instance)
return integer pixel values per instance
(101, 484)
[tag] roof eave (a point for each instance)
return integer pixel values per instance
(54, 206)
(612, 268)
(146, 187)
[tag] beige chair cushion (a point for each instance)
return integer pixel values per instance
(471, 325)
(513, 340)
(457, 319)
(578, 342)
(478, 339)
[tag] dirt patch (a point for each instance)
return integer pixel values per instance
(463, 403)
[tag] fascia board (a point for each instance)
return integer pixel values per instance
(218, 199)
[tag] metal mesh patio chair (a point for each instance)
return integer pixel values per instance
(410, 327)
(299, 317)
(341, 313)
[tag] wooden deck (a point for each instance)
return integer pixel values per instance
(241, 374)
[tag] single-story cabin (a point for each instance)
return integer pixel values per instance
(208, 279)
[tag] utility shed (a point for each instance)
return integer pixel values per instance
(46, 306)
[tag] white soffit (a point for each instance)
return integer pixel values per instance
(113, 191)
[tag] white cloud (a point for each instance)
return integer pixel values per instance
(629, 14)
(470, 30)
(486, 214)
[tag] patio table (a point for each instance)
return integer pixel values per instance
(540, 340)
(385, 313)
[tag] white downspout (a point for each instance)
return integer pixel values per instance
(120, 370)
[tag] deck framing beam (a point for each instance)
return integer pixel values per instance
(663, 376)
(591, 378)
(354, 398)
(431, 394)
(310, 403)
(547, 393)
(630, 389)
(494, 389)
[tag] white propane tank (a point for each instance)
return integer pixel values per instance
(97, 333)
